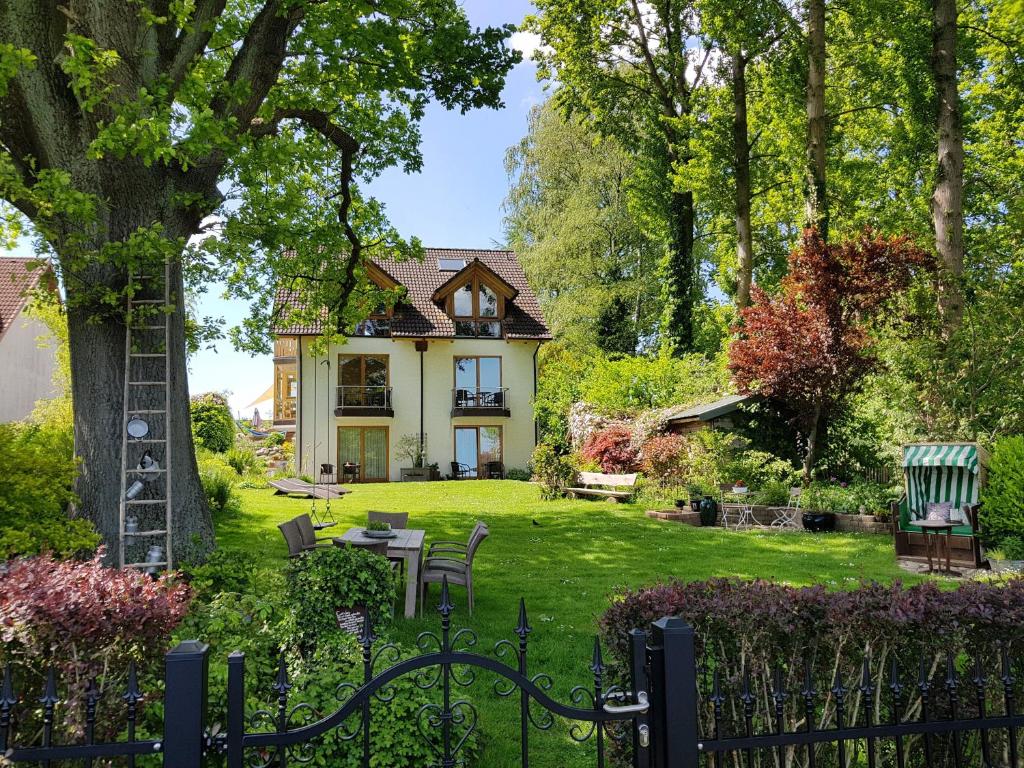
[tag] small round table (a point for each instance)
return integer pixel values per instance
(931, 528)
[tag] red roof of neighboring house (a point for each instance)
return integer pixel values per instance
(18, 276)
(419, 316)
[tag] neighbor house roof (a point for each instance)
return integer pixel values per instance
(709, 411)
(18, 277)
(420, 316)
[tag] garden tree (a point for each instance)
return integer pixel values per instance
(947, 198)
(568, 215)
(817, 214)
(628, 65)
(127, 127)
(743, 33)
(809, 346)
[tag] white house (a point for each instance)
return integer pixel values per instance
(26, 366)
(455, 362)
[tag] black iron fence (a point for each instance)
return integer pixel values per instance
(677, 711)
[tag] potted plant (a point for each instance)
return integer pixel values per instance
(708, 511)
(1008, 557)
(413, 446)
(693, 490)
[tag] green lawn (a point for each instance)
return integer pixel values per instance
(565, 567)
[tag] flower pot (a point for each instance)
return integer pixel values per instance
(695, 505)
(681, 503)
(1006, 566)
(708, 512)
(819, 522)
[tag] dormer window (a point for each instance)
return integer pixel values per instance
(379, 321)
(475, 299)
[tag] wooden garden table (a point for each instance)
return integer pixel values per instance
(931, 529)
(407, 544)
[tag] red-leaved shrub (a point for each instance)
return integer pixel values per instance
(611, 449)
(777, 634)
(86, 622)
(661, 457)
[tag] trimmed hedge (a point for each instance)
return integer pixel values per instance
(765, 629)
(1002, 511)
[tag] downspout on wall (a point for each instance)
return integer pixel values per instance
(536, 424)
(298, 411)
(421, 347)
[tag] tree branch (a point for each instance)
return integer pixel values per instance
(668, 103)
(179, 52)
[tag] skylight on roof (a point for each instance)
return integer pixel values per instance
(450, 265)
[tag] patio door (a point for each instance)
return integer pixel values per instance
(367, 447)
(475, 446)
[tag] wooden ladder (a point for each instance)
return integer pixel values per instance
(146, 373)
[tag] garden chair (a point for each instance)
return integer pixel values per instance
(458, 572)
(495, 470)
(745, 514)
(294, 539)
(307, 531)
(395, 519)
(453, 549)
(461, 471)
(788, 515)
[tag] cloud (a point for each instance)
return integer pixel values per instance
(525, 42)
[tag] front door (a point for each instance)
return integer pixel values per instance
(367, 447)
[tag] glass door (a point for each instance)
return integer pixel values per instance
(476, 447)
(466, 448)
(367, 447)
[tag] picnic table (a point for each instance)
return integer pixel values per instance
(407, 544)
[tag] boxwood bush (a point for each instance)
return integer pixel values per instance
(1002, 511)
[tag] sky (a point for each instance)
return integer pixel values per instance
(454, 201)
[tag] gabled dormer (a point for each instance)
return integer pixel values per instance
(379, 321)
(475, 297)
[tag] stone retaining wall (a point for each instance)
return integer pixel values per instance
(765, 515)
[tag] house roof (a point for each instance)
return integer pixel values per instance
(18, 276)
(709, 411)
(420, 316)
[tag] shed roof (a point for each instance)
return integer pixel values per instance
(709, 411)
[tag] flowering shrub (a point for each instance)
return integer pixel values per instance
(768, 629)
(661, 457)
(86, 621)
(553, 470)
(611, 448)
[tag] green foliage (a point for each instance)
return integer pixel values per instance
(273, 439)
(516, 473)
(212, 425)
(331, 578)
(219, 481)
(38, 472)
(243, 460)
(552, 469)
(1002, 498)
(843, 498)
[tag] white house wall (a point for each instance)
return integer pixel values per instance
(26, 368)
(316, 401)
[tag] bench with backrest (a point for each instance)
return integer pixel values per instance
(603, 486)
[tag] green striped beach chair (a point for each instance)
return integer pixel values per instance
(944, 473)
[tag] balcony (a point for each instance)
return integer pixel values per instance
(480, 401)
(377, 327)
(364, 401)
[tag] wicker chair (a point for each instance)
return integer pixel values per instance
(453, 549)
(395, 519)
(299, 543)
(461, 471)
(458, 572)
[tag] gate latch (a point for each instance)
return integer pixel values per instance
(640, 708)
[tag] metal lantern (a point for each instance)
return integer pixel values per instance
(154, 557)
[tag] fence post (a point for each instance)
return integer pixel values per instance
(185, 705)
(673, 664)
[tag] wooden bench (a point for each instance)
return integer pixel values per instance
(603, 486)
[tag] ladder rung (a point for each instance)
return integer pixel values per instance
(149, 328)
(156, 410)
(133, 440)
(145, 565)
(133, 302)
(146, 471)
(145, 533)
(146, 383)
(146, 501)
(147, 354)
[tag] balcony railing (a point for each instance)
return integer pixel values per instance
(364, 401)
(379, 327)
(480, 401)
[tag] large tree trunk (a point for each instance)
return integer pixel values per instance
(741, 161)
(97, 379)
(679, 274)
(947, 200)
(814, 431)
(817, 214)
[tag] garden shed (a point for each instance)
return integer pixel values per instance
(941, 473)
